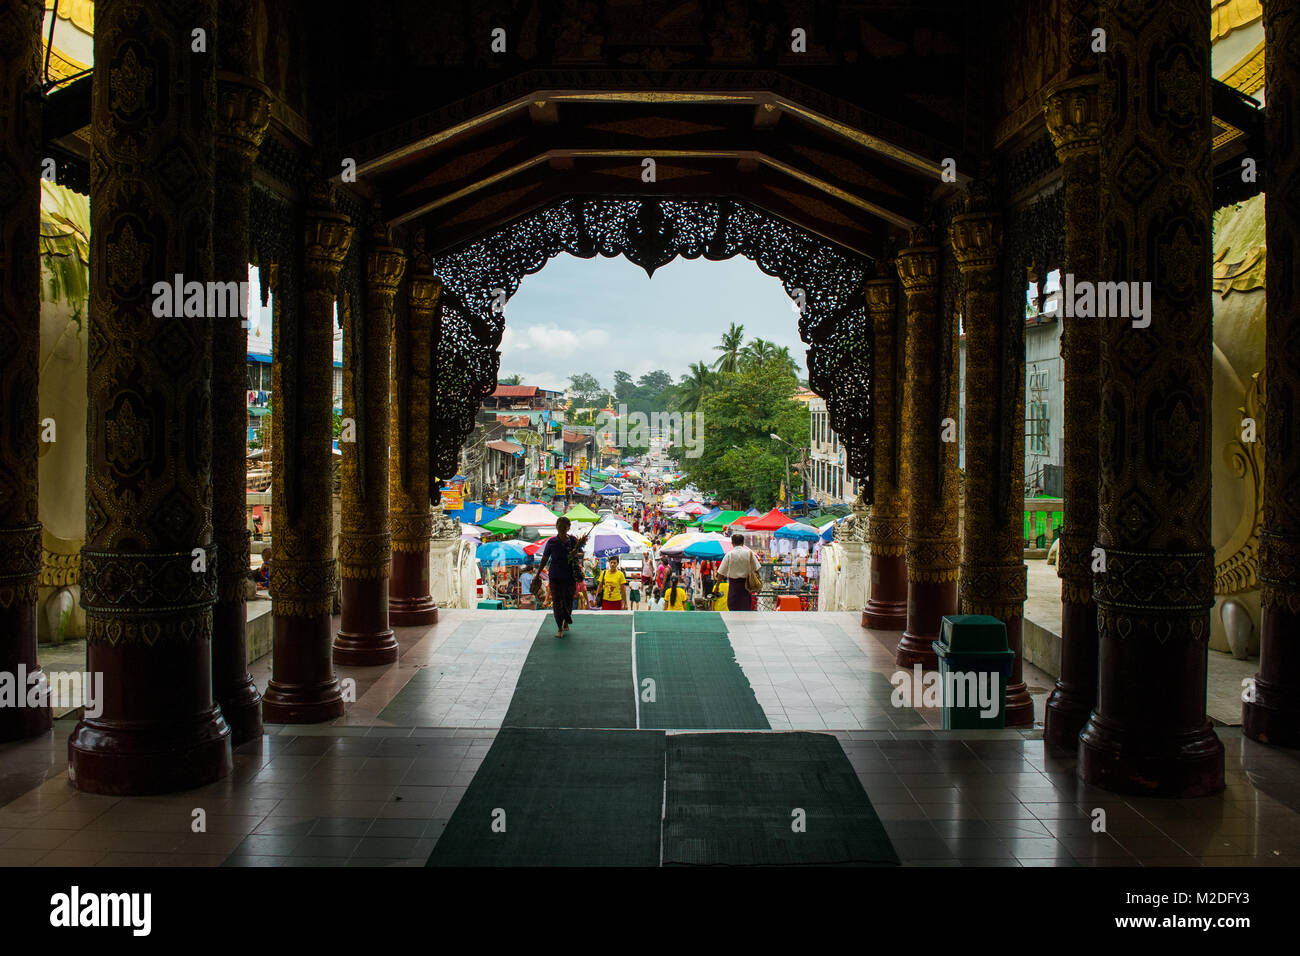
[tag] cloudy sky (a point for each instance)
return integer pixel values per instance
(598, 315)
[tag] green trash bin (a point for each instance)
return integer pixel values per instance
(973, 649)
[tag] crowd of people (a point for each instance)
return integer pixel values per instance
(566, 579)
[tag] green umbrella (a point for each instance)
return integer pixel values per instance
(582, 513)
(500, 527)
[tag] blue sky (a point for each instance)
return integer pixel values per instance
(598, 315)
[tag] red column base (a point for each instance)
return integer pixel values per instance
(303, 688)
(1019, 706)
(364, 638)
(18, 649)
(886, 610)
(122, 761)
(409, 603)
(232, 684)
(1273, 717)
(1075, 695)
(927, 603)
(1150, 763)
(416, 614)
(157, 730)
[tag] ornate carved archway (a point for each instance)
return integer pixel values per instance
(652, 232)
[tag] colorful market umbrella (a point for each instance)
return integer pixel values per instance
(712, 548)
(693, 508)
(721, 521)
(796, 531)
(472, 531)
(497, 526)
(582, 513)
(610, 491)
(530, 515)
(769, 522)
(501, 554)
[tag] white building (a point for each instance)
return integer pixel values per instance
(826, 470)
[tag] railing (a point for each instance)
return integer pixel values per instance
(1043, 519)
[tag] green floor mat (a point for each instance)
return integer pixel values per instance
(731, 801)
(583, 679)
(681, 621)
(697, 683)
(565, 797)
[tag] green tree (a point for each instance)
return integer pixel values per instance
(738, 460)
(732, 340)
(624, 386)
(586, 390)
(655, 382)
(510, 380)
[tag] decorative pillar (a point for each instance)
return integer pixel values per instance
(933, 541)
(1273, 715)
(20, 330)
(1074, 122)
(243, 114)
(365, 546)
(886, 608)
(993, 573)
(1149, 733)
(303, 688)
(148, 570)
(410, 601)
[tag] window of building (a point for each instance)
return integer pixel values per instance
(1037, 429)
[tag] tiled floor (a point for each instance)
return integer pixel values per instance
(377, 786)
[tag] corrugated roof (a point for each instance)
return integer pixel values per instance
(515, 391)
(508, 447)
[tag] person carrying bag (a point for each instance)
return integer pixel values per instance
(740, 569)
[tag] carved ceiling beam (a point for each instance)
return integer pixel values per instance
(456, 224)
(764, 101)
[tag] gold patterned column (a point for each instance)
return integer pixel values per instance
(20, 331)
(1149, 733)
(993, 573)
(1074, 122)
(887, 525)
(365, 548)
(410, 603)
(243, 114)
(148, 570)
(1272, 712)
(933, 543)
(303, 687)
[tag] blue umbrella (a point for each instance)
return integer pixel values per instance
(797, 531)
(705, 550)
(610, 490)
(501, 553)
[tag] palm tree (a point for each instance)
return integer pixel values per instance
(783, 361)
(732, 340)
(510, 380)
(694, 387)
(758, 352)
